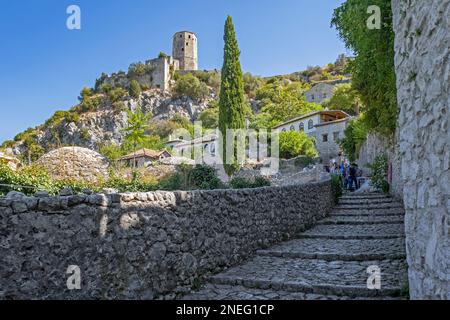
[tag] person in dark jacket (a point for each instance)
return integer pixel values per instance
(352, 176)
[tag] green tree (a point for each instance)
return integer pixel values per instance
(191, 86)
(136, 129)
(344, 98)
(135, 89)
(294, 144)
(210, 116)
(282, 100)
(85, 93)
(355, 135)
(373, 73)
(232, 101)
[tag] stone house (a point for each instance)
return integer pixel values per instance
(208, 144)
(10, 160)
(323, 90)
(326, 126)
(143, 158)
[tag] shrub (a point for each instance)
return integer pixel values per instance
(72, 117)
(354, 136)
(90, 104)
(293, 144)
(244, 183)
(27, 180)
(116, 94)
(379, 173)
(190, 86)
(85, 94)
(192, 178)
(135, 89)
(336, 184)
(163, 55)
(139, 69)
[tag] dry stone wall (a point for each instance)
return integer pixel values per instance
(422, 62)
(143, 245)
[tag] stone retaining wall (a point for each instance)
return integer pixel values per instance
(144, 245)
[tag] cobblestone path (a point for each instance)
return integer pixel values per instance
(329, 261)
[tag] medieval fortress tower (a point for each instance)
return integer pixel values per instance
(159, 71)
(185, 50)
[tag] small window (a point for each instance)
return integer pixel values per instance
(312, 97)
(284, 130)
(325, 137)
(335, 136)
(187, 43)
(301, 127)
(292, 128)
(189, 36)
(181, 36)
(182, 49)
(310, 124)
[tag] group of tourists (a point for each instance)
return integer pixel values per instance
(349, 173)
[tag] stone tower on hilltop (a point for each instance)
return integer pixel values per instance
(185, 50)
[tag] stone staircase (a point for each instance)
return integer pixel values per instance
(329, 261)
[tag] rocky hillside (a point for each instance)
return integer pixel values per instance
(100, 117)
(105, 124)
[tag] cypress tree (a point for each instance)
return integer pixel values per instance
(232, 101)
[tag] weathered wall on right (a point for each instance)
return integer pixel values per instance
(376, 145)
(422, 62)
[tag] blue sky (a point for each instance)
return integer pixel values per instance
(44, 65)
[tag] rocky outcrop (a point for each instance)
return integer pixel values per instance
(422, 62)
(75, 163)
(143, 245)
(105, 126)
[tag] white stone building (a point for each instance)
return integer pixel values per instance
(326, 126)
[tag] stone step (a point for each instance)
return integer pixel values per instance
(366, 201)
(366, 219)
(341, 278)
(374, 231)
(229, 292)
(344, 250)
(371, 212)
(394, 205)
(365, 196)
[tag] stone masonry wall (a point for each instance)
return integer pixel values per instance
(144, 245)
(422, 62)
(376, 145)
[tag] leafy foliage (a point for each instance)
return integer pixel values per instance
(379, 173)
(191, 178)
(281, 101)
(135, 89)
(210, 116)
(190, 86)
(293, 144)
(336, 184)
(355, 135)
(243, 183)
(373, 73)
(344, 98)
